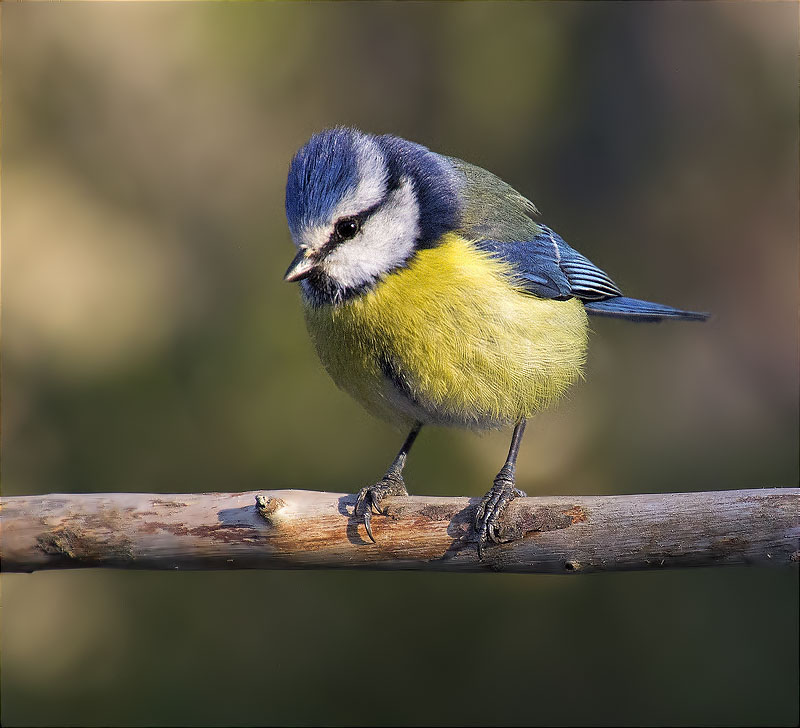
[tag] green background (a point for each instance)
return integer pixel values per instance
(149, 344)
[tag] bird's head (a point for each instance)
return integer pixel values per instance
(360, 206)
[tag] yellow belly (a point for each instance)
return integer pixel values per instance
(448, 340)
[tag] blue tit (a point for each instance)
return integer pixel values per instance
(434, 296)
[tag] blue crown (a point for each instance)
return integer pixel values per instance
(321, 173)
(326, 169)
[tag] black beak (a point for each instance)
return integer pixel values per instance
(300, 267)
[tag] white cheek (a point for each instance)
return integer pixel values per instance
(386, 241)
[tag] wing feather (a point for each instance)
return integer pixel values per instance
(546, 266)
(502, 222)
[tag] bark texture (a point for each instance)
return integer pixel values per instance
(310, 529)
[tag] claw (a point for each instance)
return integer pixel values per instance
(370, 498)
(490, 511)
(368, 525)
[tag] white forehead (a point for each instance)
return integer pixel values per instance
(373, 176)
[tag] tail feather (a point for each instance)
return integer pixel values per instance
(635, 310)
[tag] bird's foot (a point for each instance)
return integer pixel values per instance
(370, 498)
(491, 508)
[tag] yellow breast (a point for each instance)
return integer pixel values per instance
(449, 340)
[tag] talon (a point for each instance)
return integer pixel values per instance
(369, 499)
(490, 511)
(368, 525)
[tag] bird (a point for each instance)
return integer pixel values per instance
(434, 296)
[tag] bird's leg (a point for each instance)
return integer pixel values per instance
(391, 484)
(502, 493)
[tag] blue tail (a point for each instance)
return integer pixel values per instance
(635, 310)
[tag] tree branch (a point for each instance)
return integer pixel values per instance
(309, 529)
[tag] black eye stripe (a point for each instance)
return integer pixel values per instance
(360, 219)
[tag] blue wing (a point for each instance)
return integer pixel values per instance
(547, 267)
(633, 309)
(501, 221)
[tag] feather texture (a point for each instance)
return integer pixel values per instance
(635, 310)
(450, 304)
(546, 266)
(501, 222)
(446, 340)
(501, 219)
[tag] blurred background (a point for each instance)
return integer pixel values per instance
(151, 345)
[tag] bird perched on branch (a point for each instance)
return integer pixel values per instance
(434, 297)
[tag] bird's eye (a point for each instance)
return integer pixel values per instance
(347, 227)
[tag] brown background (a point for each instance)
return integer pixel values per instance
(150, 344)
